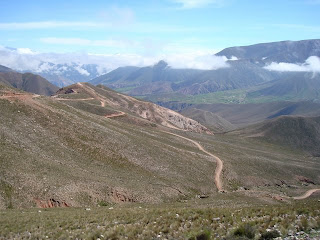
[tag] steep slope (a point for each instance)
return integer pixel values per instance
(146, 110)
(296, 132)
(53, 152)
(285, 51)
(28, 82)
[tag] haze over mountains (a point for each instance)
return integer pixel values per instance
(59, 69)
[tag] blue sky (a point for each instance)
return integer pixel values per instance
(112, 33)
(150, 27)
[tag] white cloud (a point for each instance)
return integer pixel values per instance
(28, 60)
(312, 64)
(188, 4)
(25, 51)
(82, 71)
(233, 58)
(202, 62)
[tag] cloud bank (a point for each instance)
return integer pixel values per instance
(312, 64)
(24, 59)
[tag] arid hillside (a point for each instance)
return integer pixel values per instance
(89, 146)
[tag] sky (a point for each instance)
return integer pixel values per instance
(141, 32)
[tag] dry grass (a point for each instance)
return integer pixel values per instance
(177, 221)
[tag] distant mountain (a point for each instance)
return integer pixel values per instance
(66, 74)
(60, 69)
(296, 132)
(5, 69)
(27, 81)
(293, 86)
(118, 75)
(248, 67)
(161, 78)
(285, 51)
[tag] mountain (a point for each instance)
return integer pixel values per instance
(295, 132)
(285, 51)
(249, 70)
(292, 86)
(161, 78)
(66, 74)
(61, 69)
(118, 75)
(5, 69)
(27, 81)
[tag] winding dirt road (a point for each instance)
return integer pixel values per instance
(307, 194)
(218, 171)
(119, 114)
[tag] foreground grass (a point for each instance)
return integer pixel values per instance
(162, 222)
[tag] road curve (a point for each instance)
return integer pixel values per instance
(218, 171)
(307, 194)
(118, 114)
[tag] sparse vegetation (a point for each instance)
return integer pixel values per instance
(165, 221)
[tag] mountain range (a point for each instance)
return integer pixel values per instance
(258, 70)
(66, 74)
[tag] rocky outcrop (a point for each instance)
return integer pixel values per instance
(119, 196)
(51, 203)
